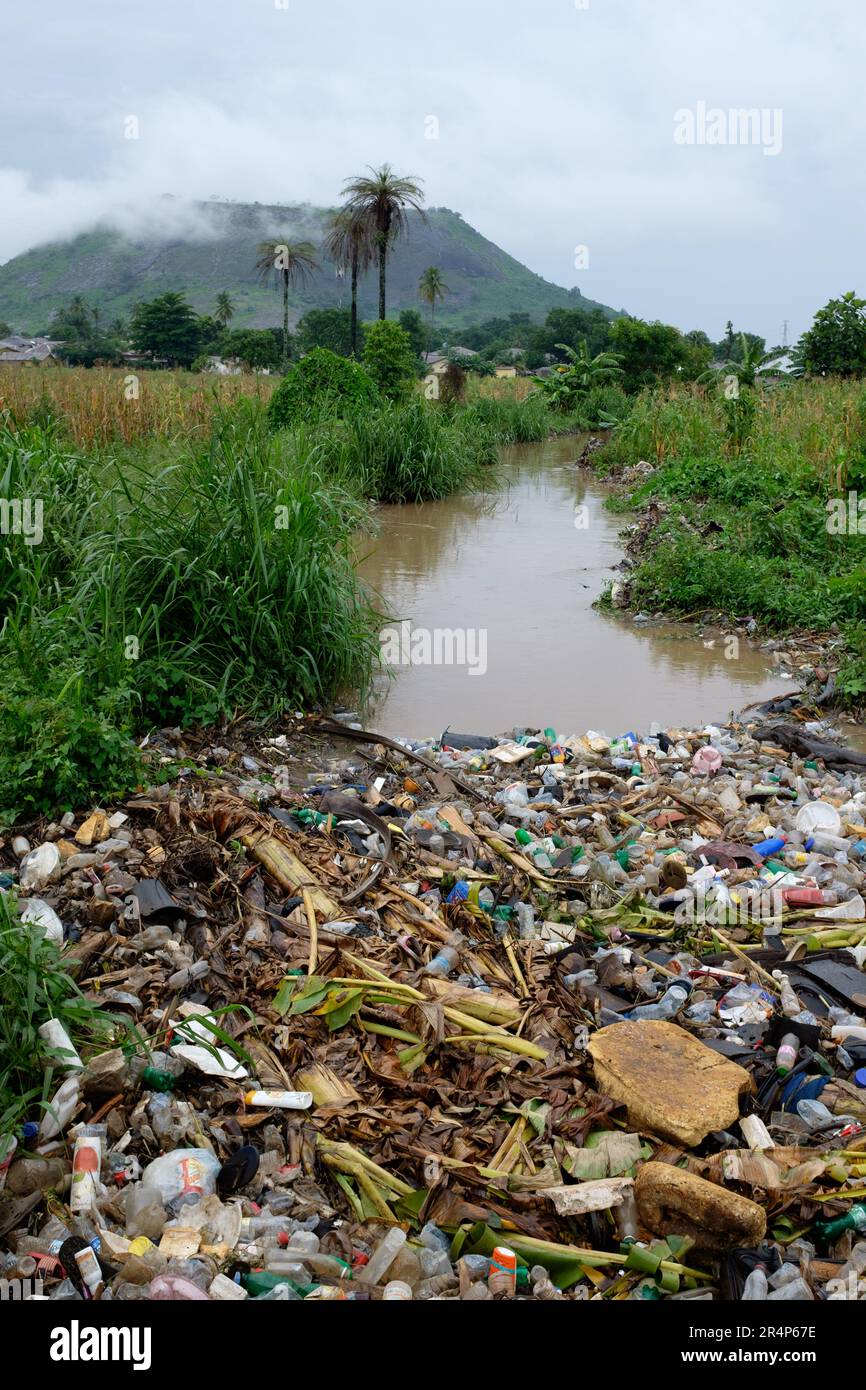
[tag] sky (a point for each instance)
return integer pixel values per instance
(591, 139)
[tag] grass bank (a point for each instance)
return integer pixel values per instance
(735, 520)
(170, 584)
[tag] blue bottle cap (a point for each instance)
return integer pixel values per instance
(860, 1078)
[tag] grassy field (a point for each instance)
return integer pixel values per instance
(742, 522)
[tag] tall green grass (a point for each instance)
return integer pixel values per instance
(406, 452)
(741, 524)
(172, 585)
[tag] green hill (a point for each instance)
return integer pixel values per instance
(113, 271)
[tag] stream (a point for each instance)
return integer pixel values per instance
(495, 595)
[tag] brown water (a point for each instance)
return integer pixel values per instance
(517, 568)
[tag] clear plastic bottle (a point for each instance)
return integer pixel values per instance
(447, 957)
(383, 1256)
(796, 1291)
(670, 1004)
(756, 1288)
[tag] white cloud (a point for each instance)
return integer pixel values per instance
(556, 128)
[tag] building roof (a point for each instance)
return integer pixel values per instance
(18, 349)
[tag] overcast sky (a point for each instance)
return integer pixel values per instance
(556, 129)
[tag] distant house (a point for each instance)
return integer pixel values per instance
(437, 362)
(34, 350)
(506, 373)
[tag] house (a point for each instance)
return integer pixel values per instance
(506, 373)
(36, 350)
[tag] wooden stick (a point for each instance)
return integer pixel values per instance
(314, 935)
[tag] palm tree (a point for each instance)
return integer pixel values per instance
(431, 287)
(285, 263)
(381, 201)
(225, 308)
(349, 242)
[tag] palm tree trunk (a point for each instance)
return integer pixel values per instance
(383, 259)
(285, 317)
(355, 304)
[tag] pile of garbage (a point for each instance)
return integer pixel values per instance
(536, 1016)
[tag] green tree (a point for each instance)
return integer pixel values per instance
(380, 202)
(327, 328)
(431, 287)
(412, 323)
(650, 352)
(166, 327)
(225, 308)
(255, 348)
(835, 345)
(349, 242)
(5, 329)
(389, 358)
(284, 264)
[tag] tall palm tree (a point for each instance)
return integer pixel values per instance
(225, 308)
(381, 201)
(431, 287)
(348, 241)
(285, 263)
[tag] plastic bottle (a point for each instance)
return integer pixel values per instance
(789, 1051)
(383, 1256)
(853, 1220)
(56, 1038)
(447, 958)
(670, 1004)
(796, 1291)
(791, 1005)
(397, 1292)
(755, 1289)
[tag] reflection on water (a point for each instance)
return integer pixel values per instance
(517, 567)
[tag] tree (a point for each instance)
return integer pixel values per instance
(255, 348)
(412, 323)
(167, 328)
(650, 352)
(84, 343)
(349, 241)
(225, 308)
(327, 328)
(285, 263)
(389, 358)
(5, 329)
(380, 203)
(431, 287)
(836, 343)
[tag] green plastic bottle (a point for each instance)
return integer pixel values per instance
(853, 1220)
(261, 1281)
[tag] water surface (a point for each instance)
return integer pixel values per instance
(524, 567)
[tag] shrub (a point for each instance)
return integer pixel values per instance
(322, 383)
(390, 359)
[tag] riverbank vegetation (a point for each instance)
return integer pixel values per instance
(747, 511)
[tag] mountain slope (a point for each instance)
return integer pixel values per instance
(113, 271)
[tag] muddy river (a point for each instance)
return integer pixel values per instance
(494, 624)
